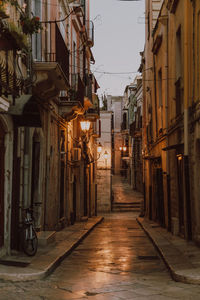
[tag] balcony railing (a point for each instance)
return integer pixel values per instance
(77, 91)
(88, 88)
(90, 33)
(50, 46)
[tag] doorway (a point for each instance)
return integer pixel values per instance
(180, 169)
(2, 163)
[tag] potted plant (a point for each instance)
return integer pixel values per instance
(30, 25)
(19, 38)
(3, 14)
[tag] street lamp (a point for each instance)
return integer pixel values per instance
(106, 157)
(85, 125)
(99, 148)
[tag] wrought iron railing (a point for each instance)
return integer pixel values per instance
(50, 46)
(77, 91)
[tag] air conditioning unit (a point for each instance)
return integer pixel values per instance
(76, 154)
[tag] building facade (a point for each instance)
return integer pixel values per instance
(46, 90)
(170, 115)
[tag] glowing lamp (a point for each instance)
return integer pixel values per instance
(99, 148)
(105, 154)
(85, 125)
(124, 148)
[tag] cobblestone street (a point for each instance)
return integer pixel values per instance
(116, 261)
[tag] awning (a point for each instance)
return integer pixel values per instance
(26, 112)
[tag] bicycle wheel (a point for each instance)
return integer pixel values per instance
(30, 241)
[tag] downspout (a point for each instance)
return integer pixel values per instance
(186, 129)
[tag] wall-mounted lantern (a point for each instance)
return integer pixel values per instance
(105, 155)
(99, 148)
(85, 125)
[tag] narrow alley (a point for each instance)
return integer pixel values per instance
(116, 261)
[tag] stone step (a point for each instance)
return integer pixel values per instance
(127, 203)
(125, 209)
(126, 206)
(46, 237)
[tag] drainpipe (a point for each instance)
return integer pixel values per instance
(186, 106)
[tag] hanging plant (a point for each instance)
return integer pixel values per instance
(3, 14)
(12, 2)
(20, 39)
(13, 37)
(30, 25)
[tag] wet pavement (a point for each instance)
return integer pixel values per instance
(116, 261)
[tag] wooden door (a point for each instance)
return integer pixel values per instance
(181, 197)
(2, 161)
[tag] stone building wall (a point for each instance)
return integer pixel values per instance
(103, 191)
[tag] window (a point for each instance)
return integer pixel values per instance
(178, 54)
(178, 83)
(179, 102)
(36, 38)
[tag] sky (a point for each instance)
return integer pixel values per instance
(119, 38)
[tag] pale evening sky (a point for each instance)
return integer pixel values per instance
(119, 37)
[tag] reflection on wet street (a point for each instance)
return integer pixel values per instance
(116, 261)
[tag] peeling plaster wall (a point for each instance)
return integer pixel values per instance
(7, 121)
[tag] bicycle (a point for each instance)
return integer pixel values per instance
(29, 238)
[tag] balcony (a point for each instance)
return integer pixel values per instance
(77, 90)
(93, 112)
(51, 61)
(73, 103)
(91, 99)
(12, 40)
(90, 33)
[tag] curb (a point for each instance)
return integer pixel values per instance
(57, 262)
(189, 274)
(32, 273)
